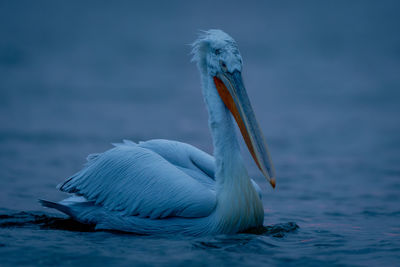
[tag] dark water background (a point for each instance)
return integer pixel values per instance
(324, 80)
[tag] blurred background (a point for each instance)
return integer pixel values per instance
(323, 78)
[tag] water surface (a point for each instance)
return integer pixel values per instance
(324, 82)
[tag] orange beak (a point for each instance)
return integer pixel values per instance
(233, 93)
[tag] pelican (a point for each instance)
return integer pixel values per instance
(168, 187)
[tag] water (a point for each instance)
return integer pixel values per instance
(324, 82)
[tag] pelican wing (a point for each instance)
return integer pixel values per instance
(191, 160)
(147, 180)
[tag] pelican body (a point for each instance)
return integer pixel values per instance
(167, 187)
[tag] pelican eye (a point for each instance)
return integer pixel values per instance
(223, 66)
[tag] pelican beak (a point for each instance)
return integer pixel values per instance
(233, 93)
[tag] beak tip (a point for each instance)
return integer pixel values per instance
(272, 182)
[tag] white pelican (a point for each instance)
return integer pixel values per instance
(164, 187)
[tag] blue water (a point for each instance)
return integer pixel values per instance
(324, 81)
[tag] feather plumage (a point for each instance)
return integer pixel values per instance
(125, 179)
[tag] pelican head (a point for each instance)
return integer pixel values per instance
(218, 57)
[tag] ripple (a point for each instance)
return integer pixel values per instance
(248, 238)
(277, 230)
(225, 242)
(375, 213)
(43, 221)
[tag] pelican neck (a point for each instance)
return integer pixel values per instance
(228, 160)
